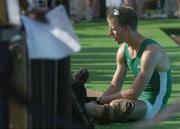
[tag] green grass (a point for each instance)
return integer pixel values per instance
(98, 54)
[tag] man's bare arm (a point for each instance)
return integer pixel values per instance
(119, 75)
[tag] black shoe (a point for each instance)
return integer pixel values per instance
(80, 119)
(81, 76)
(79, 79)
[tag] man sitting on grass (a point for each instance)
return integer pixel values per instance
(149, 63)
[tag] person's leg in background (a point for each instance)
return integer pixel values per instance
(140, 8)
(138, 5)
(177, 13)
(89, 11)
(171, 8)
(129, 3)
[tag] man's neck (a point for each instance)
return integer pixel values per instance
(135, 41)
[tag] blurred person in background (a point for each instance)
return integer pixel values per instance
(77, 10)
(93, 9)
(10, 34)
(138, 5)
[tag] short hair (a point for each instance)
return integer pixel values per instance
(125, 16)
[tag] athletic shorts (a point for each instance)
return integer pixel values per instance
(159, 100)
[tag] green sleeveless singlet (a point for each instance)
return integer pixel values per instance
(158, 89)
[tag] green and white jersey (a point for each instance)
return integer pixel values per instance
(158, 89)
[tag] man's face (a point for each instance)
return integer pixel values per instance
(116, 31)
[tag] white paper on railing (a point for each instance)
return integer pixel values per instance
(53, 40)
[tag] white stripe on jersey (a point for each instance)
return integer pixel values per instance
(152, 110)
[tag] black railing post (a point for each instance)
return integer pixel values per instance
(49, 91)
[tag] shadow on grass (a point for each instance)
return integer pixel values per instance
(159, 21)
(173, 33)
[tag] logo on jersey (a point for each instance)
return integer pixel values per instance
(139, 66)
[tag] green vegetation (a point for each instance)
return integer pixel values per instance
(98, 56)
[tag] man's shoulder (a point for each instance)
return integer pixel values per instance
(154, 48)
(121, 49)
(120, 53)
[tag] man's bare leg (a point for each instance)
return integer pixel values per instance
(94, 109)
(139, 111)
(93, 93)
